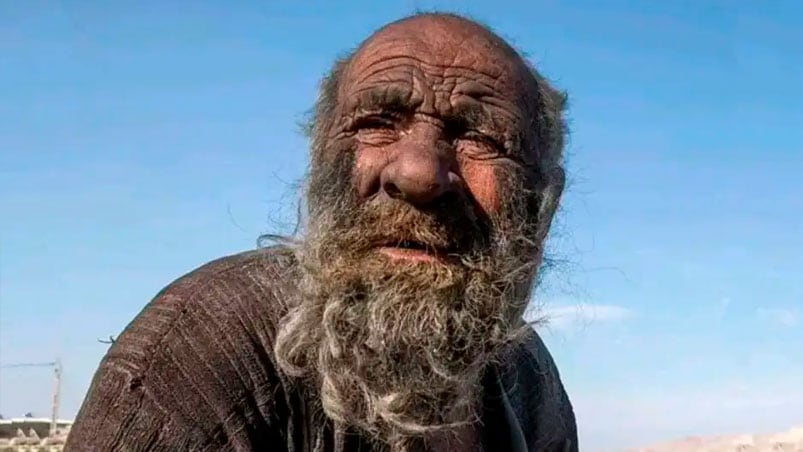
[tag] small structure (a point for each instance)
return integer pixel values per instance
(38, 437)
(44, 434)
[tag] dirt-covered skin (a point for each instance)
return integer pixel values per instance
(449, 82)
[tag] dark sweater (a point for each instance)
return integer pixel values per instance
(194, 371)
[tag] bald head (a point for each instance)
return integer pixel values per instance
(444, 36)
(449, 39)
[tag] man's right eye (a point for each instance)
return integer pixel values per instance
(376, 130)
(374, 123)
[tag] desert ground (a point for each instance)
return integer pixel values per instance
(790, 440)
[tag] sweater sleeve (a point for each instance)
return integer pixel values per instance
(194, 370)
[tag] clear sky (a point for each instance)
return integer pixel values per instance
(139, 140)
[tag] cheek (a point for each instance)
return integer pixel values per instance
(483, 183)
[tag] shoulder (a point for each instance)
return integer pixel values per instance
(537, 394)
(260, 272)
(237, 297)
(246, 291)
(199, 350)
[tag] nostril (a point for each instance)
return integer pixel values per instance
(391, 189)
(447, 198)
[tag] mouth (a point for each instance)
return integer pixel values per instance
(411, 250)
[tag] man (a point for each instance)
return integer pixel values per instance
(395, 323)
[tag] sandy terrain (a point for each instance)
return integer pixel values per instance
(791, 440)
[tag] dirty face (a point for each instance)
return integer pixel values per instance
(435, 109)
(428, 207)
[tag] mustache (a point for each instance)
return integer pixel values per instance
(452, 225)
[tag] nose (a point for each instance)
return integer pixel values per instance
(417, 175)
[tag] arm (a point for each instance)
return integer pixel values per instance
(193, 371)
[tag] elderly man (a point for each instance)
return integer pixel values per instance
(395, 322)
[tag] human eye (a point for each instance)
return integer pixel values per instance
(375, 129)
(487, 141)
(480, 146)
(374, 122)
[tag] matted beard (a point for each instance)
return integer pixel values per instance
(396, 348)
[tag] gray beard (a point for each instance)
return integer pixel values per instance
(395, 349)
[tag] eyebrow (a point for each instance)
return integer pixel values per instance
(484, 118)
(471, 114)
(393, 98)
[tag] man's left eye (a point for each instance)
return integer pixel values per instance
(487, 142)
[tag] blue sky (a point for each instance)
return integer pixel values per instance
(141, 139)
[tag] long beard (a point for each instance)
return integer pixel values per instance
(396, 348)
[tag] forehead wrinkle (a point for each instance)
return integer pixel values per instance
(449, 80)
(440, 70)
(476, 66)
(436, 34)
(370, 62)
(388, 64)
(383, 50)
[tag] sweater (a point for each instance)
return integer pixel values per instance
(194, 371)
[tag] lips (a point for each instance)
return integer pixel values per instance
(407, 249)
(415, 245)
(412, 245)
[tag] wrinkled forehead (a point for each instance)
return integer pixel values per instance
(439, 47)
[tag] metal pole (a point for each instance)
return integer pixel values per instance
(56, 394)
